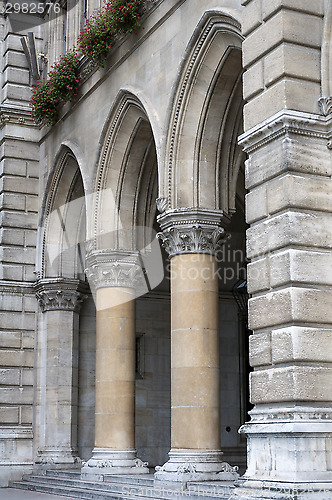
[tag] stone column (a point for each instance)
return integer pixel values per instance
(57, 386)
(288, 207)
(192, 238)
(115, 277)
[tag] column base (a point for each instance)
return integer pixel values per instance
(189, 465)
(261, 490)
(57, 459)
(111, 462)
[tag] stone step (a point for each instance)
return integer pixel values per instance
(67, 483)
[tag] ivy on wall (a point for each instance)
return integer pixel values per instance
(96, 39)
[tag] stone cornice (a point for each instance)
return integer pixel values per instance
(14, 116)
(192, 230)
(114, 268)
(287, 122)
(60, 294)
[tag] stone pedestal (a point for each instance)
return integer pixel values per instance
(192, 238)
(56, 428)
(114, 453)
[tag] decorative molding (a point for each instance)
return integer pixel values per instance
(284, 123)
(117, 268)
(326, 105)
(192, 231)
(61, 294)
(12, 116)
(161, 204)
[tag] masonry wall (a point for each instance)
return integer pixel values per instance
(19, 155)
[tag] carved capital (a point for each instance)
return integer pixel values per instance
(192, 231)
(114, 269)
(60, 294)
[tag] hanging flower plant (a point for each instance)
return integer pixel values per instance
(44, 104)
(61, 87)
(114, 18)
(95, 41)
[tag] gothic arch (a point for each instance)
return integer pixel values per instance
(126, 183)
(62, 222)
(202, 155)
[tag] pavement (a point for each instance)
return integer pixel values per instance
(16, 494)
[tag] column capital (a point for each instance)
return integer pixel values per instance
(114, 268)
(60, 294)
(192, 230)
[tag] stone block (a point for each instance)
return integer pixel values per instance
(16, 395)
(18, 220)
(16, 75)
(11, 302)
(9, 415)
(270, 7)
(290, 228)
(11, 272)
(286, 26)
(13, 166)
(30, 238)
(18, 255)
(260, 349)
(258, 275)
(288, 93)
(16, 59)
(10, 237)
(253, 80)
(10, 339)
(291, 61)
(294, 153)
(18, 358)
(11, 201)
(22, 185)
(306, 305)
(288, 384)
(301, 344)
(17, 93)
(252, 17)
(9, 376)
(28, 376)
(301, 266)
(289, 191)
(19, 150)
(26, 414)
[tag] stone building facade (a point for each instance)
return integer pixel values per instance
(209, 131)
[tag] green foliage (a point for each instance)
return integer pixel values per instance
(62, 86)
(114, 18)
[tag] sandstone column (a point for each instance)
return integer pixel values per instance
(115, 277)
(288, 175)
(60, 300)
(192, 238)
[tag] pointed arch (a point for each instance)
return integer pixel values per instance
(62, 228)
(127, 179)
(206, 118)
